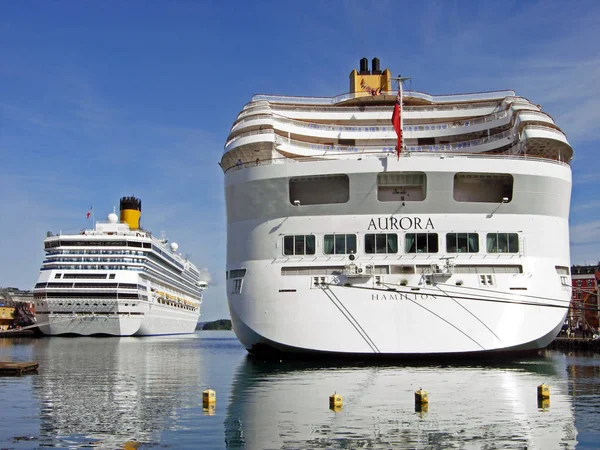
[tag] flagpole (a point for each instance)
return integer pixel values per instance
(401, 120)
(400, 79)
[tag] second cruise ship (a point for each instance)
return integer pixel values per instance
(116, 279)
(396, 223)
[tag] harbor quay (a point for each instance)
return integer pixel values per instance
(576, 344)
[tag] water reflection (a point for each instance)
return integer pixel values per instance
(105, 392)
(286, 405)
(583, 372)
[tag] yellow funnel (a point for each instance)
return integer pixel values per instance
(131, 212)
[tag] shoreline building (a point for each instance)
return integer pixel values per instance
(585, 307)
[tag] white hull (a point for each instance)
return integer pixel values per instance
(155, 320)
(163, 320)
(354, 321)
(401, 314)
(89, 325)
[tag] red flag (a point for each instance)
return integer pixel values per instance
(396, 122)
(89, 213)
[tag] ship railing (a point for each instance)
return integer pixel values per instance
(545, 128)
(311, 108)
(249, 133)
(405, 154)
(415, 148)
(449, 98)
(343, 148)
(338, 150)
(464, 123)
(90, 232)
(251, 118)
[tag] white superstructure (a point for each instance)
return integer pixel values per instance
(337, 244)
(116, 279)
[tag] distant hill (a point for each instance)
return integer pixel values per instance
(221, 324)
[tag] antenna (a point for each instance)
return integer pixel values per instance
(399, 80)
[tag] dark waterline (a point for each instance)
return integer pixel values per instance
(104, 393)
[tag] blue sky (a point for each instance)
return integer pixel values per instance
(104, 99)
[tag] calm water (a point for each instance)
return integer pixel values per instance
(114, 393)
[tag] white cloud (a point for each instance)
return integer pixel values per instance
(585, 206)
(585, 233)
(206, 276)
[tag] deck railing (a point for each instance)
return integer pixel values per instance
(464, 123)
(405, 154)
(452, 98)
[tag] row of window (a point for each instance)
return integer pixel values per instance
(97, 295)
(91, 276)
(163, 301)
(98, 267)
(108, 260)
(401, 187)
(157, 251)
(96, 252)
(94, 243)
(387, 243)
(91, 285)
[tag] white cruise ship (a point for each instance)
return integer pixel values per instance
(116, 279)
(441, 232)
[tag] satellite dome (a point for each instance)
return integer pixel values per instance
(113, 218)
(174, 246)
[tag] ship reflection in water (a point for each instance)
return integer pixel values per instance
(286, 405)
(107, 391)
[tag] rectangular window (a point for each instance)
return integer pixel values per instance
(339, 244)
(486, 280)
(421, 243)
(299, 245)
(502, 243)
(237, 286)
(319, 190)
(483, 187)
(237, 273)
(381, 243)
(462, 242)
(401, 186)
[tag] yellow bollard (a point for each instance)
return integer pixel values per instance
(422, 409)
(421, 397)
(335, 408)
(543, 391)
(421, 402)
(543, 403)
(208, 396)
(335, 402)
(209, 409)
